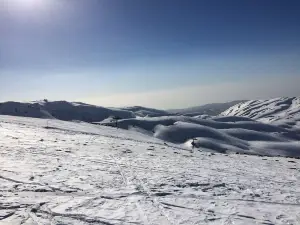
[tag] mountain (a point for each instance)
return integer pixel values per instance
(212, 109)
(62, 110)
(249, 128)
(284, 112)
(146, 112)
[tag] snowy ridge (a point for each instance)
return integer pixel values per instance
(212, 109)
(144, 111)
(282, 112)
(267, 110)
(230, 132)
(62, 110)
(59, 172)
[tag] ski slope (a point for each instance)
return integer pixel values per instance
(58, 172)
(223, 134)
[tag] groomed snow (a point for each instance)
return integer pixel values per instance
(58, 172)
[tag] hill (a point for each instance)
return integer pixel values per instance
(220, 134)
(146, 112)
(284, 112)
(212, 109)
(62, 110)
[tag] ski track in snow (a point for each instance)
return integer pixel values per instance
(77, 173)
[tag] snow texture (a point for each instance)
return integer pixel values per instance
(59, 172)
(220, 134)
(62, 110)
(146, 112)
(212, 109)
(284, 112)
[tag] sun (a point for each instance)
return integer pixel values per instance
(37, 11)
(27, 4)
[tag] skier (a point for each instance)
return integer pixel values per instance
(193, 144)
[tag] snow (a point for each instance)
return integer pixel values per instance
(267, 110)
(68, 111)
(60, 172)
(144, 111)
(62, 110)
(221, 134)
(281, 112)
(212, 109)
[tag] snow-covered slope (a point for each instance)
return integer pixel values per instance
(59, 172)
(212, 109)
(62, 110)
(267, 110)
(144, 111)
(284, 112)
(221, 134)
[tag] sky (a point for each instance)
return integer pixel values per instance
(156, 53)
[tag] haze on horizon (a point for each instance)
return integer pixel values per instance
(156, 53)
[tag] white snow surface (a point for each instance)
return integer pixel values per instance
(146, 112)
(220, 134)
(212, 109)
(284, 112)
(68, 111)
(58, 172)
(62, 110)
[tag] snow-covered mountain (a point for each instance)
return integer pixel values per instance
(212, 109)
(284, 112)
(266, 110)
(173, 170)
(146, 112)
(60, 172)
(62, 110)
(268, 127)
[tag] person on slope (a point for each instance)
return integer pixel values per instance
(193, 144)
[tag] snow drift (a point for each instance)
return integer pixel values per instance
(221, 134)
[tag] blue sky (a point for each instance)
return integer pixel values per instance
(157, 53)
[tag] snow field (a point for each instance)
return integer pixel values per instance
(57, 172)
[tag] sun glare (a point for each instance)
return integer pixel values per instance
(26, 4)
(30, 3)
